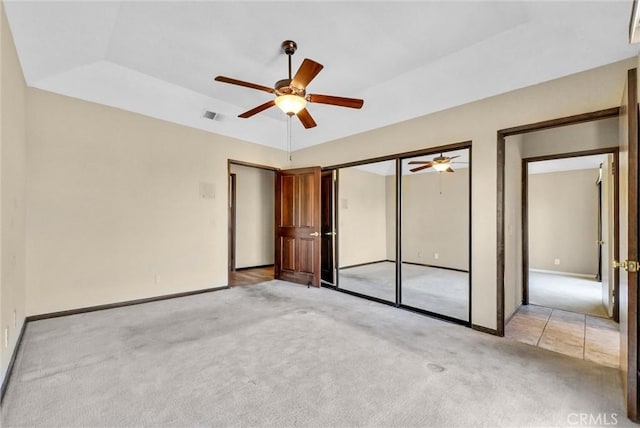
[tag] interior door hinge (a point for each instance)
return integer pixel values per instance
(632, 266)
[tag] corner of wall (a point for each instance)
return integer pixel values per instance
(12, 197)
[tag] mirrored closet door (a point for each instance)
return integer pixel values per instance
(366, 229)
(435, 233)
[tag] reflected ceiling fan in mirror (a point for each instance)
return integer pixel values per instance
(439, 163)
(291, 96)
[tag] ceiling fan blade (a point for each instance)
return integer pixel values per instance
(420, 168)
(306, 119)
(258, 109)
(450, 169)
(336, 101)
(245, 84)
(418, 162)
(453, 157)
(305, 74)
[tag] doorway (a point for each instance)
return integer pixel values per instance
(251, 223)
(569, 219)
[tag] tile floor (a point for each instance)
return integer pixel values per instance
(577, 335)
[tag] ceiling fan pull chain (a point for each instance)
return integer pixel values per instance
(289, 137)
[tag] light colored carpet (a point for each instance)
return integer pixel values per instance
(279, 355)
(569, 293)
(441, 291)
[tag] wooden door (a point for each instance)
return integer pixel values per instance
(628, 178)
(297, 257)
(327, 228)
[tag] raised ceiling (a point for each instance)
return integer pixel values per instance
(406, 59)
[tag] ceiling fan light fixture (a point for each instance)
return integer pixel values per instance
(441, 166)
(291, 104)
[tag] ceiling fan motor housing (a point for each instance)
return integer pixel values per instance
(289, 47)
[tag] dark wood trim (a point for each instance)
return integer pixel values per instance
(12, 361)
(500, 244)
(500, 196)
(633, 407)
(524, 214)
(398, 240)
(254, 267)
(484, 329)
(363, 264)
(423, 152)
(470, 249)
(563, 121)
(252, 165)
(232, 220)
(336, 229)
(616, 234)
(600, 151)
(122, 304)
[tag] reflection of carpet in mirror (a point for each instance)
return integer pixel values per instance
(437, 290)
(569, 293)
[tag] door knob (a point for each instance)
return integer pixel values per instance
(314, 234)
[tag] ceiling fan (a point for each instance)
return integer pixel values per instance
(439, 163)
(291, 96)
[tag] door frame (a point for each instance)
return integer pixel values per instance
(332, 233)
(525, 216)
(500, 179)
(398, 157)
(231, 206)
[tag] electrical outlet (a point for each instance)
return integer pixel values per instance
(419, 254)
(6, 337)
(436, 256)
(157, 279)
(556, 262)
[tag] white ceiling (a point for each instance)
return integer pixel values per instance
(406, 59)
(567, 164)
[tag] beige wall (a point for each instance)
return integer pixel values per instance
(513, 225)
(362, 222)
(12, 181)
(255, 194)
(115, 210)
(563, 221)
(597, 134)
(435, 213)
(478, 122)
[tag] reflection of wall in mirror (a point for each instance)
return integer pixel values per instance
(362, 217)
(435, 214)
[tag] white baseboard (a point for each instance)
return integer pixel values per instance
(555, 272)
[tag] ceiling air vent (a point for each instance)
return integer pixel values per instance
(209, 114)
